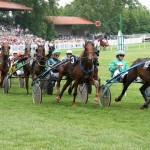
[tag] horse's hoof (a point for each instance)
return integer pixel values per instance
(117, 99)
(143, 107)
(57, 98)
(73, 105)
(96, 102)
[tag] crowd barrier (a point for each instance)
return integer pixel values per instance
(69, 45)
(75, 44)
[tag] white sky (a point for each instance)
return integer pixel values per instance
(64, 2)
(143, 2)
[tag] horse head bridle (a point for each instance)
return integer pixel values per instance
(39, 61)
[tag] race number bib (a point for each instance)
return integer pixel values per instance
(146, 65)
(73, 59)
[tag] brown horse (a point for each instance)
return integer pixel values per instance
(4, 62)
(34, 66)
(82, 71)
(103, 43)
(143, 73)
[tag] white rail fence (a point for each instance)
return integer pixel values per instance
(74, 44)
(69, 45)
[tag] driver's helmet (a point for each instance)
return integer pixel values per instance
(69, 52)
(56, 52)
(120, 53)
(15, 52)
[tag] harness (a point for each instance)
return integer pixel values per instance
(40, 64)
(86, 72)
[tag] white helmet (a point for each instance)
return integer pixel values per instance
(15, 52)
(69, 52)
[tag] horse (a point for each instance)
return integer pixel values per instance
(82, 71)
(4, 62)
(50, 51)
(143, 73)
(103, 43)
(34, 66)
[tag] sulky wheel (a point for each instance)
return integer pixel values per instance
(105, 96)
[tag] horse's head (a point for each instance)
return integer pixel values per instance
(28, 49)
(103, 42)
(40, 51)
(41, 60)
(5, 48)
(89, 50)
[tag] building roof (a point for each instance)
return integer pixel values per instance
(11, 6)
(68, 20)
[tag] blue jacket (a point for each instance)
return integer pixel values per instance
(52, 61)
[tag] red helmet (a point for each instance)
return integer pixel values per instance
(20, 54)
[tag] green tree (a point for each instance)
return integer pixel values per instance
(132, 11)
(35, 20)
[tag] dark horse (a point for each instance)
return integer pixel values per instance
(141, 72)
(82, 71)
(4, 62)
(103, 43)
(34, 66)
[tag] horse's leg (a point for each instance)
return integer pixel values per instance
(58, 87)
(96, 83)
(27, 83)
(65, 87)
(145, 105)
(142, 90)
(125, 87)
(70, 88)
(101, 48)
(127, 80)
(0, 78)
(58, 97)
(104, 48)
(96, 98)
(75, 93)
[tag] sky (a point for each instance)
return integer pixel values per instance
(143, 2)
(64, 2)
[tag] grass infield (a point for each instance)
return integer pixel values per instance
(58, 126)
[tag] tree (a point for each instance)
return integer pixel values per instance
(131, 10)
(35, 20)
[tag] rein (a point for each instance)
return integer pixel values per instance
(40, 64)
(86, 72)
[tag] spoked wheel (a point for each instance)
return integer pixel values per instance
(6, 85)
(147, 92)
(49, 87)
(105, 96)
(9, 81)
(82, 93)
(36, 93)
(21, 82)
